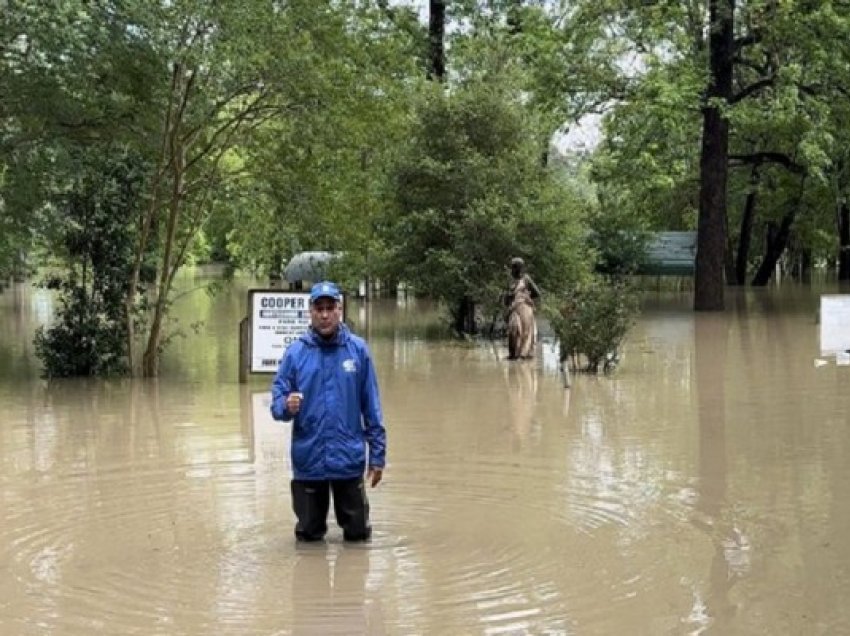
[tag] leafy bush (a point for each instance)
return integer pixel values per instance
(87, 339)
(592, 320)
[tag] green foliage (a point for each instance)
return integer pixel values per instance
(94, 242)
(74, 76)
(646, 167)
(619, 242)
(315, 176)
(592, 319)
(471, 193)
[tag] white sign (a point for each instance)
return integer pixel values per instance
(277, 319)
(834, 324)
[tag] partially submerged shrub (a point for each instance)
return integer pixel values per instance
(592, 320)
(87, 338)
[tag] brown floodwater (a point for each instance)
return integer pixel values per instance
(703, 488)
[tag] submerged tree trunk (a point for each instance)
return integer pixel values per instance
(805, 264)
(844, 242)
(745, 238)
(711, 230)
(729, 262)
(777, 241)
(464, 316)
(150, 358)
(276, 269)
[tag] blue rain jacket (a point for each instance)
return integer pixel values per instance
(340, 414)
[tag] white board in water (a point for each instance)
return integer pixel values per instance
(834, 324)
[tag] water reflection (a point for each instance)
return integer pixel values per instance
(329, 593)
(521, 379)
(711, 336)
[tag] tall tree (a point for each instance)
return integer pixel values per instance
(217, 85)
(711, 228)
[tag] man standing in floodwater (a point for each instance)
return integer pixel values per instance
(520, 299)
(326, 384)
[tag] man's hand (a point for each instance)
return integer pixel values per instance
(293, 402)
(373, 476)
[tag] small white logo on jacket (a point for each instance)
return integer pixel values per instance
(349, 365)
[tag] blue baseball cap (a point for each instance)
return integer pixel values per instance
(325, 289)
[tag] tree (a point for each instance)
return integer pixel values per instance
(711, 229)
(196, 89)
(471, 194)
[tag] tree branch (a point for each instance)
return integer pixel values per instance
(232, 122)
(752, 88)
(758, 158)
(753, 37)
(760, 69)
(216, 108)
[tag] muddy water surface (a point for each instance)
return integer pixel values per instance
(703, 488)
